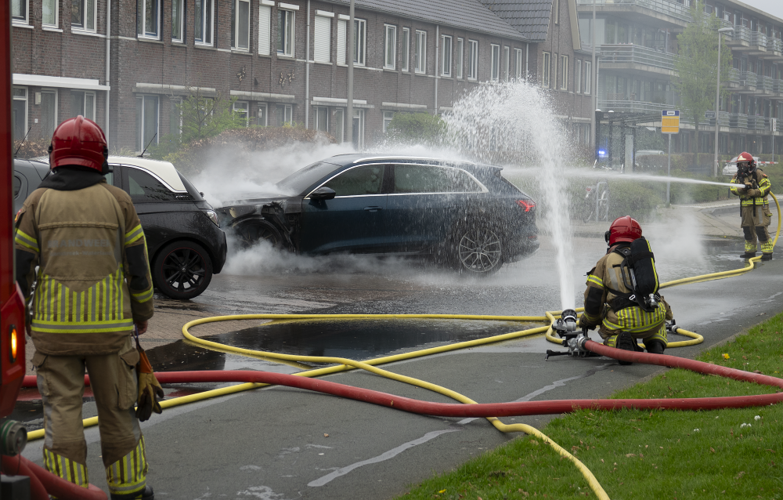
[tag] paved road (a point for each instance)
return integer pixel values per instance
(280, 443)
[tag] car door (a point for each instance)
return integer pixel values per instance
(353, 220)
(424, 204)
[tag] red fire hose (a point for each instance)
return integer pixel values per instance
(43, 483)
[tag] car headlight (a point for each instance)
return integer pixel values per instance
(212, 216)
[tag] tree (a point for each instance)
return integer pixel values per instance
(697, 65)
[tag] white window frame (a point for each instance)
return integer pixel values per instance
(389, 46)
(518, 59)
(473, 60)
(360, 42)
(207, 26)
(578, 77)
(322, 38)
(358, 113)
(388, 116)
(24, 5)
(563, 72)
(288, 114)
(342, 42)
(318, 113)
(56, 22)
(264, 30)
(339, 122)
(446, 50)
(420, 53)
(588, 77)
(237, 22)
(142, 21)
(288, 39)
(181, 4)
(494, 73)
(507, 62)
(262, 111)
(140, 126)
(556, 11)
(85, 95)
(85, 26)
(459, 64)
(405, 64)
(26, 108)
(242, 108)
(546, 62)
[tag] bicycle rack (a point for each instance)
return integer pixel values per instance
(597, 191)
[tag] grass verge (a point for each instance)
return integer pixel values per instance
(727, 454)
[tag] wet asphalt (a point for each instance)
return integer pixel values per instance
(281, 443)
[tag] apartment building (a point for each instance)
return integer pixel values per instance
(637, 44)
(127, 63)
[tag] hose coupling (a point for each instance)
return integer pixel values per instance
(565, 326)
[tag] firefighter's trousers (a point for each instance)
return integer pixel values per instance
(755, 223)
(113, 383)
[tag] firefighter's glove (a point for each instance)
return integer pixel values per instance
(150, 393)
(585, 323)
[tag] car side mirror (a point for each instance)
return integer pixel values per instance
(322, 193)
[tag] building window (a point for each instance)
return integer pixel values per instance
(83, 13)
(240, 25)
(48, 113)
(205, 15)
(420, 52)
(321, 118)
(388, 116)
(556, 11)
(148, 19)
(339, 125)
(83, 103)
(445, 53)
(518, 63)
(178, 21)
(264, 30)
(359, 41)
(285, 114)
(495, 63)
(563, 72)
(51, 12)
(342, 42)
(473, 60)
(506, 63)
(358, 129)
(545, 70)
(406, 49)
(390, 52)
(588, 77)
(578, 76)
(262, 115)
(242, 111)
(146, 121)
(460, 58)
(285, 33)
(322, 39)
(19, 11)
(175, 115)
(19, 113)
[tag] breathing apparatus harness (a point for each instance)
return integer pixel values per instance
(639, 275)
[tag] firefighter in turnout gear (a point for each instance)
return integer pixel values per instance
(753, 186)
(93, 285)
(610, 302)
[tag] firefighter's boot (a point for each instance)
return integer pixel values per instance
(626, 342)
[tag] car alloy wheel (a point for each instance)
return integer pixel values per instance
(479, 249)
(251, 233)
(182, 270)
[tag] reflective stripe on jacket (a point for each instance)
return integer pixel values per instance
(756, 196)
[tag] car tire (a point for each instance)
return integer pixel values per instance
(182, 270)
(477, 249)
(250, 233)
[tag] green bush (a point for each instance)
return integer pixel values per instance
(420, 128)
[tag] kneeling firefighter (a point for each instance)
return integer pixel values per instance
(753, 186)
(622, 292)
(82, 240)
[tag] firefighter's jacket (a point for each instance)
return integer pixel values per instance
(613, 313)
(93, 280)
(754, 204)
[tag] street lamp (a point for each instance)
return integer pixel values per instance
(717, 99)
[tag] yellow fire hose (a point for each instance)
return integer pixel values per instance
(343, 364)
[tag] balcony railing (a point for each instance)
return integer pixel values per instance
(742, 33)
(767, 83)
(636, 54)
(669, 8)
(738, 120)
(750, 79)
(775, 44)
(758, 38)
(633, 106)
(777, 86)
(758, 123)
(734, 75)
(724, 117)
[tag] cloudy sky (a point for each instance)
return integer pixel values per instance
(774, 7)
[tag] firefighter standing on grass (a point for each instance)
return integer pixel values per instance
(610, 303)
(753, 186)
(93, 286)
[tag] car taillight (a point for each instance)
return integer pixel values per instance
(528, 205)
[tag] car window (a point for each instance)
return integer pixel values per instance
(367, 179)
(302, 179)
(17, 185)
(109, 178)
(430, 179)
(144, 187)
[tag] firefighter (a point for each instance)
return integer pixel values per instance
(610, 304)
(753, 186)
(93, 285)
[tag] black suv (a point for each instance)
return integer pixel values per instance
(460, 213)
(184, 240)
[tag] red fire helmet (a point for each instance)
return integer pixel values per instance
(78, 141)
(747, 158)
(623, 229)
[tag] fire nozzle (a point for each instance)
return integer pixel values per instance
(574, 340)
(565, 326)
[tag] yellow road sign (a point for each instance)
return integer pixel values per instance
(670, 122)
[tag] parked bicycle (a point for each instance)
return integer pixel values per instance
(595, 204)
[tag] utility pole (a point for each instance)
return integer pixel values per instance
(594, 91)
(351, 48)
(717, 99)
